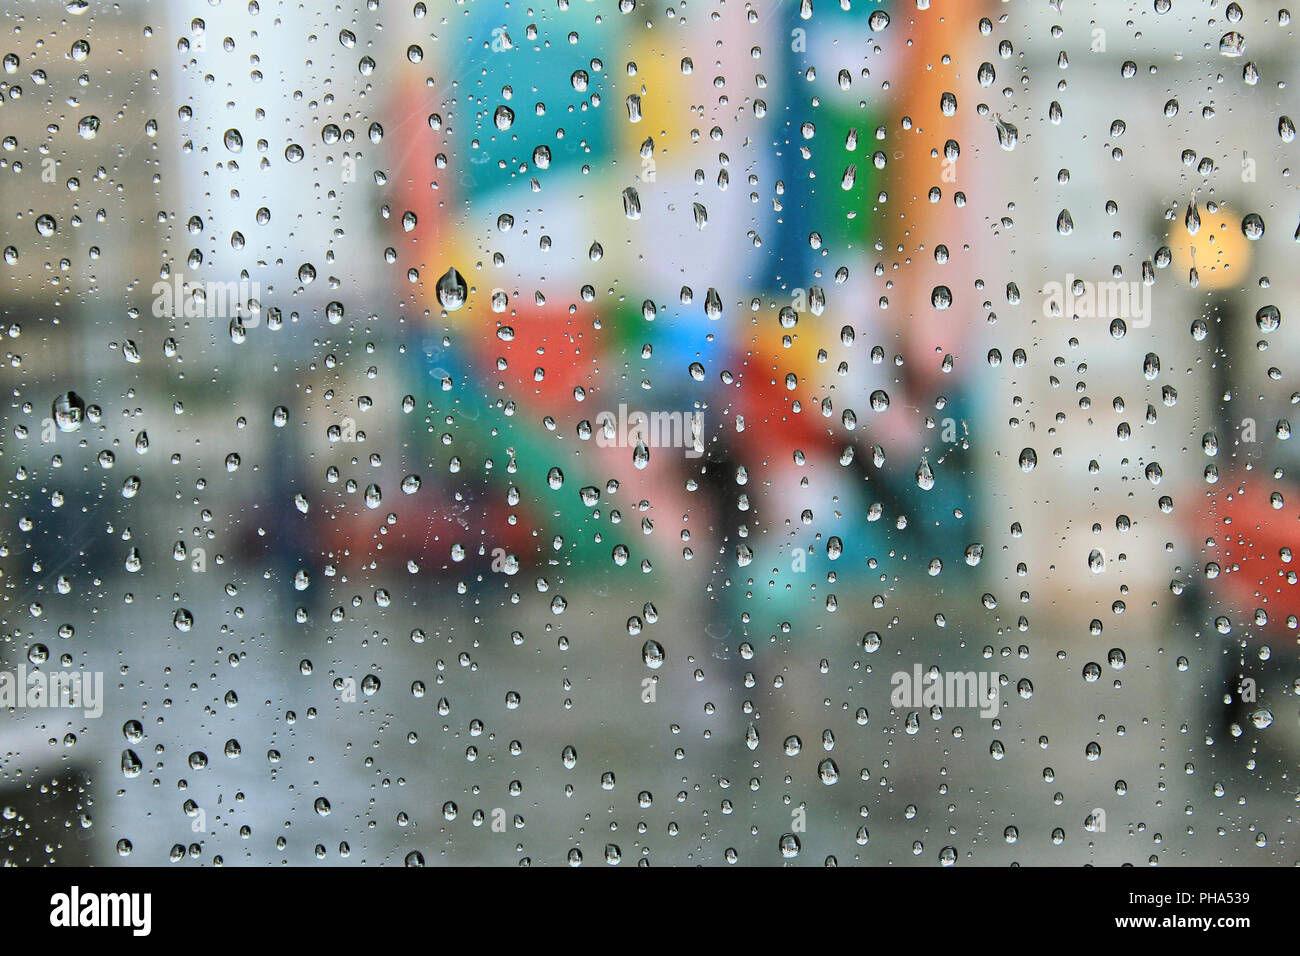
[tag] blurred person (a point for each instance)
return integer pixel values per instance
(1246, 528)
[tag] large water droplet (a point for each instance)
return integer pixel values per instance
(69, 409)
(452, 290)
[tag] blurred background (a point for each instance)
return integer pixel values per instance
(316, 316)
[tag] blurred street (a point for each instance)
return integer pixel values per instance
(994, 369)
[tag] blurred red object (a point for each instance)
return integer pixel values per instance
(1252, 536)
